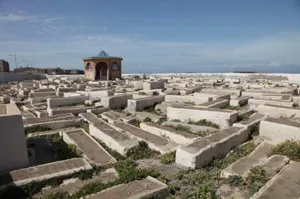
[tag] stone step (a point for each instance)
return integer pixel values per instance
(204, 150)
(94, 152)
(242, 166)
(284, 185)
(42, 172)
(155, 142)
(253, 120)
(110, 136)
(180, 137)
(146, 188)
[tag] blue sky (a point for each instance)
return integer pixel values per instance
(156, 35)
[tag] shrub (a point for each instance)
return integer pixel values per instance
(141, 152)
(189, 103)
(256, 179)
(168, 158)
(142, 93)
(37, 128)
(245, 116)
(204, 122)
(207, 191)
(57, 195)
(235, 181)
(84, 125)
(231, 107)
(128, 172)
(204, 133)
(61, 149)
(289, 148)
(147, 119)
(155, 93)
(180, 127)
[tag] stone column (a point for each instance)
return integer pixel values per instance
(107, 73)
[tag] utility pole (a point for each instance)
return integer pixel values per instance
(15, 55)
(26, 61)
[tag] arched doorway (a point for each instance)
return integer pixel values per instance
(101, 71)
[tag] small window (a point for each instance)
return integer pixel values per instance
(88, 66)
(115, 66)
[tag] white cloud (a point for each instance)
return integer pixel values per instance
(16, 17)
(20, 16)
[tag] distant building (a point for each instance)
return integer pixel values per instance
(4, 66)
(102, 67)
(49, 71)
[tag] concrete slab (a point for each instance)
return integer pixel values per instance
(140, 104)
(180, 137)
(274, 164)
(50, 132)
(110, 117)
(69, 109)
(58, 117)
(253, 120)
(218, 103)
(57, 124)
(155, 142)
(222, 117)
(90, 118)
(279, 130)
(73, 185)
(240, 101)
(116, 101)
(242, 166)
(203, 150)
(146, 188)
(94, 152)
(112, 137)
(279, 111)
(253, 103)
(284, 185)
(43, 172)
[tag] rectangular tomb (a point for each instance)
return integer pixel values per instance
(155, 142)
(91, 148)
(222, 117)
(204, 150)
(146, 188)
(279, 130)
